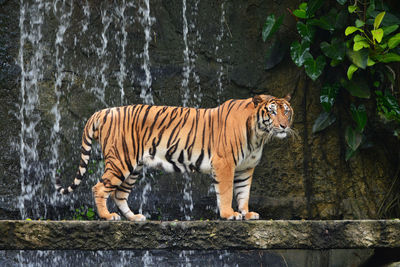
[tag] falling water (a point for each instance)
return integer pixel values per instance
(218, 47)
(50, 62)
(102, 55)
(147, 21)
(186, 65)
(191, 93)
(146, 92)
(59, 76)
(189, 58)
(31, 75)
(122, 43)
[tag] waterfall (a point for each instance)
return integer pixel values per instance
(218, 47)
(191, 96)
(31, 75)
(101, 55)
(122, 44)
(147, 21)
(146, 91)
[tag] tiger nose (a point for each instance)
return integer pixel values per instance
(283, 126)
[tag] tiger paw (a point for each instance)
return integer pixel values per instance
(232, 216)
(252, 216)
(138, 218)
(113, 217)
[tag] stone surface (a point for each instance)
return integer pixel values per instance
(199, 235)
(302, 178)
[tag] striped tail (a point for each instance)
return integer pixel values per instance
(89, 132)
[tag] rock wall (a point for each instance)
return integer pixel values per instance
(92, 51)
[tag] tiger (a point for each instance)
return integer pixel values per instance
(226, 142)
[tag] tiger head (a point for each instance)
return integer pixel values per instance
(274, 116)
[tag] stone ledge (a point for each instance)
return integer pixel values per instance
(192, 235)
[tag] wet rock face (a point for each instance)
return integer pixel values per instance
(93, 55)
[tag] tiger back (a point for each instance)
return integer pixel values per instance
(226, 142)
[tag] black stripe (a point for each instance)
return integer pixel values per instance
(86, 142)
(83, 164)
(126, 155)
(240, 186)
(168, 156)
(233, 155)
(180, 159)
(200, 160)
(79, 176)
(145, 115)
(85, 152)
(123, 190)
(241, 180)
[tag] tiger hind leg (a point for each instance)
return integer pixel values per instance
(120, 197)
(102, 191)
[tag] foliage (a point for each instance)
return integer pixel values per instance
(355, 42)
(84, 213)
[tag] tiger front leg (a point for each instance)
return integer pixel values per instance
(242, 184)
(223, 182)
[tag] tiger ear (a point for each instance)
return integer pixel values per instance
(288, 97)
(257, 100)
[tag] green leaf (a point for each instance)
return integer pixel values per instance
(341, 2)
(358, 58)
(353, 138)
(351, 29)
(389, 29)
(271, 26)
(90, 214)
(300, 13)
(394, 41)
(314, 68)
(300, 52)
(388, 57)
(351, 9)
(359, 23)
(275, 54)
(387, 106)
(349, 153)
(325, 22)
(388, 20)
(377, 35)
(313, 6)
(328, 96)
(323, 121)
(360, 45)
(358, 38)
(370, 62)
(334, 62)
(359, 116)
(306, 31)
(352, 68)
(378, 20)
(303, 6)
(336, 50)
(341, 19)
(371, 8)
(357, 87)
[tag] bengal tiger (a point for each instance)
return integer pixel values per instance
(226, 141)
